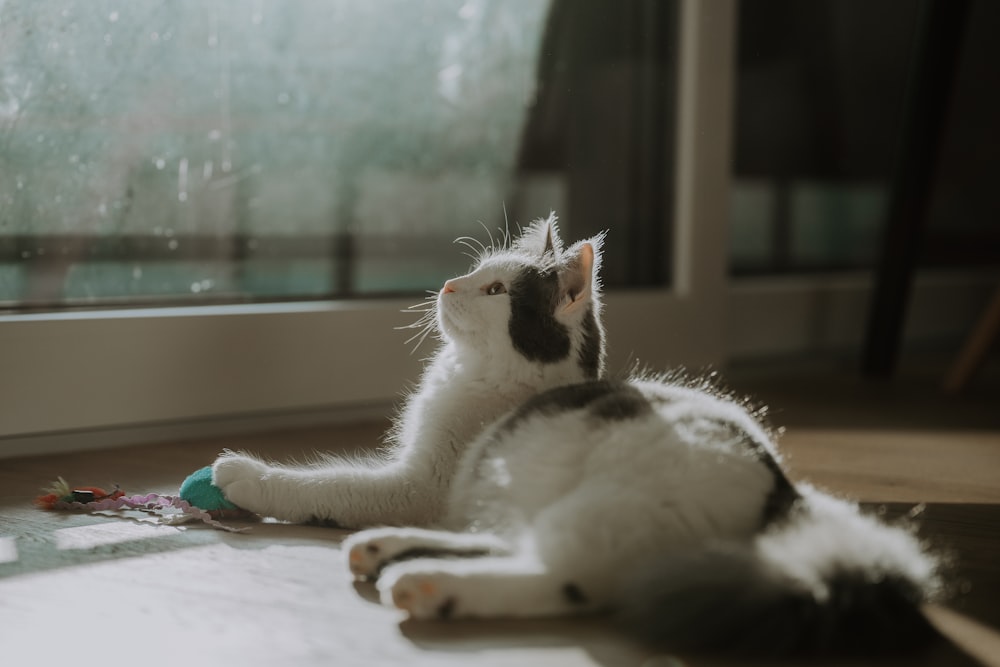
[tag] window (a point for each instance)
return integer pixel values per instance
(176, 151)
(820, 101)
(157, 153)
(289, 162)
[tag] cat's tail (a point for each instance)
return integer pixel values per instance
(827, 580)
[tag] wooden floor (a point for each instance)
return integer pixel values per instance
(94, 590)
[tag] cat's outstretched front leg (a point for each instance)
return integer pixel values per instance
(350, 495)
(488, 587)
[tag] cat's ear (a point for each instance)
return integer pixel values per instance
(549, 246)
(578, 277)
(541, 237)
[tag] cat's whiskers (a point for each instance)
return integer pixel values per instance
(506, 228)
(493, 243)
(422, 337)
(478, 253)
(425, 324)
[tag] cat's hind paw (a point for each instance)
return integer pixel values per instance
(371, 550)
(422, 595)
(366, 553)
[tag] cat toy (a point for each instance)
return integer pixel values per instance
(198, 499)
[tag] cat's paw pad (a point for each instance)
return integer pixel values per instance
(422, 596)
(365, 559)
(370, 550)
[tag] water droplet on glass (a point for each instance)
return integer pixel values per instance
(136, 272)
(113, 17)
(160, 163)
(214, 135)
(173, 244)
(154, 36)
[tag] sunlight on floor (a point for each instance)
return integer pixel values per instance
(8, 549)
(88, 537)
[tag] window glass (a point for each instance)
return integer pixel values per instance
(295, 148)
(157, 151)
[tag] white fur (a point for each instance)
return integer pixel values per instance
(552, 512)
(472, 379)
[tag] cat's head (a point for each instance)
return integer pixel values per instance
(532, 299)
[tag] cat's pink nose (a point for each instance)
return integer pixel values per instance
(448, 288)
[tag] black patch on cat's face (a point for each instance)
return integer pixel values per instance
(592, 349)
(534, 331)
(604, 400)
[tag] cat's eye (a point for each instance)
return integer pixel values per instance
(496, 288)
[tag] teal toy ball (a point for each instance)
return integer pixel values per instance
(198, 490)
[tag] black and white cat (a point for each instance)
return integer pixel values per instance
(523, 483)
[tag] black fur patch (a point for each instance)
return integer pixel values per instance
(781, 500)
(723, 599)
(592, 349)
(322, 522)
(534, 331)
(447, 609)
(574, 595)
(603, 399)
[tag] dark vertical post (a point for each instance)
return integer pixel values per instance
(940, 25)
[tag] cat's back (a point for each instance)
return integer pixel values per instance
(626, 414)
(645, 439)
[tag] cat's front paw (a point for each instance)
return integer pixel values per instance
(241, 479)
(423, 595)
